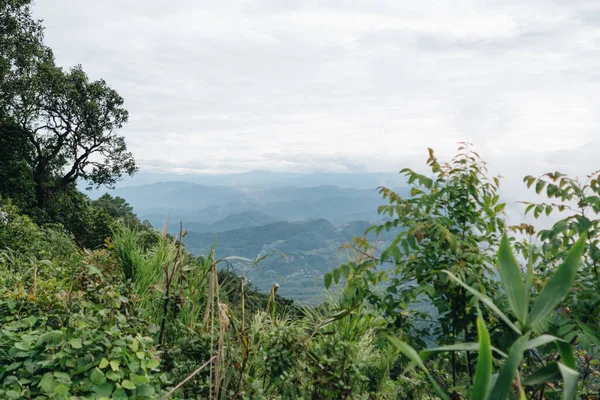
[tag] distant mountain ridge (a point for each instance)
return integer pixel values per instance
(248, 219)
(356, 180)
(201, 204)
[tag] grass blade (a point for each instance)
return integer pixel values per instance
(570, 378)
(540, 341)
(470, 346)
(545, 374)
(559, 285)
(503, 384)
(512, 280)
(483, 372)
(414, 358)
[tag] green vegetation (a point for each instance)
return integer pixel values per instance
(441, 300)
(298, 253)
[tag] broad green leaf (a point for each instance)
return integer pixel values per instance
(139, 379)
(336, 275)
(483, 371)
(512, 280)
(61, 390)
(566, 354)
(559, 285)
(63, 377)
(104, 389)
(570, 378)
(134, 345)
(97, 377)
(127, 384)
(47, 383)
(114, 365)
(414, 358)
(485, 300)
(120, 393)
(76, 343)
(503, 384)
(103, 363)
(145, 390)
(548, 373)
(327, 280)
(151, 364)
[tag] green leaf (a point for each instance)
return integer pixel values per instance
(541, 341)
(566, 354)
(47, 383)
(472, 346)
(62, 377)
(120, 393)
(559, 285)
(485, 300)
(114, 365)
(151, 364)
(336, 275)
(483, 371)
(345, 269)
(503, 384)
(133, 345)
(145, 391)
(97, 377)
(139, 379)
(510, 275)
(570, 378)
(104, 389)
(76, 343)
(25, 346)
(539, 186)
(327, 280)
(103, 363)
(414, 357)
(61, 390)
(127, 384)
(545, 374)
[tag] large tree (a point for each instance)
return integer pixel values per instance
(70, 122)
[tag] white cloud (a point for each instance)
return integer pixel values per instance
(343, 86)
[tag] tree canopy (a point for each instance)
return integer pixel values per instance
(70, 123)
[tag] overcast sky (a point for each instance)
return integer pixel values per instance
(300, 85)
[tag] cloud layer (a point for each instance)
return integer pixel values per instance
(290, 85)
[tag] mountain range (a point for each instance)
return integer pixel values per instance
(299, 221)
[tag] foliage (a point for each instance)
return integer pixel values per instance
(65, 337)
(64, 126)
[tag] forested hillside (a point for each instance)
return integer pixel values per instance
(96, 304)
(296, 254)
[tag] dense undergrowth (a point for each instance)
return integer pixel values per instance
(140, 317)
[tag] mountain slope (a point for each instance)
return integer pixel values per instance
(298, 253)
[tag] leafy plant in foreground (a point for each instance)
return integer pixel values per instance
(527, 327)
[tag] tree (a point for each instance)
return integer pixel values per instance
(72, 126)
(21, 49)
(70, 122)
(118, 208)
(15, 169)
(452, 220)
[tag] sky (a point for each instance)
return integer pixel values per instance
(343, 86)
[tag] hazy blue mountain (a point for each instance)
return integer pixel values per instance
(366, 180)
(201, 204)
(249, 219)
